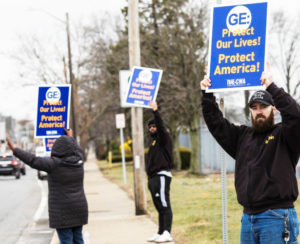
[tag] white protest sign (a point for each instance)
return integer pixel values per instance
(124, 77)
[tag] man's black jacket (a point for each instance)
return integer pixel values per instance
(160, 154)
(67, 202)
(265, 163)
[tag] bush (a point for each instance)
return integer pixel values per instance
(100, 151)
(185, 155)
(118, 158)
(115, 149)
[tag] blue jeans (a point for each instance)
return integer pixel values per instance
(268, 227)
(70, 235)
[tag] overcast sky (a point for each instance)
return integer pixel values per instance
(22, 17)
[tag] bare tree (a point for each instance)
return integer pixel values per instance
(173, 39)
(96, 87)
(45, 63)
(38, 63)
(285, 46)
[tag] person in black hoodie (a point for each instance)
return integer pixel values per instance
(68, 208)
(158, 165)
(266, 155)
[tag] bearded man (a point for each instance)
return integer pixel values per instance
(266, 155)
(159, 161)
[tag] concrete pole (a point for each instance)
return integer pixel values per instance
(137, 113)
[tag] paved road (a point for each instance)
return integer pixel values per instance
(23, 219)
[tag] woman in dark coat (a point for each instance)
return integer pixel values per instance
(68, 209)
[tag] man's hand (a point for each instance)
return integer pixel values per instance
(153, 105)
(205, 83)
(69, 132)
(10, 144)
(266, 76)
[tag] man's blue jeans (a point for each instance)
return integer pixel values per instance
(70, 235)
(268, 227)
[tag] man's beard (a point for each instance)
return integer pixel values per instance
(261, 126)
(153, 134)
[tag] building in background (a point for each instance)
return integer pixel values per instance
(21, 132)
(25, 134)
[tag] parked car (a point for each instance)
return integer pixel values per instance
(42, 175)
(41, 152)
(10, 166)
(22, 167)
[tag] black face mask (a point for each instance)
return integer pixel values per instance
(262, 126)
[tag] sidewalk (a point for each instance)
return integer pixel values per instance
(112, 218)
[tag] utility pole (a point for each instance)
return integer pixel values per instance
(71, 78)
(137, 113)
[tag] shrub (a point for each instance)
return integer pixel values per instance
(101, 152)
(185, 155)
(118, 158)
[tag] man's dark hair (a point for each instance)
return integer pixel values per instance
(151, 122)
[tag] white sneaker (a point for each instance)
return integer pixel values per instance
(153, 238)
(164, 237)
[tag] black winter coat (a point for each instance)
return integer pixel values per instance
(265, 162)
(67, 202)
(160, 154)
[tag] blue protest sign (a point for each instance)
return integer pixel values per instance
(143, 86)
(237, 46)
(52, 110)
(48, 142)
